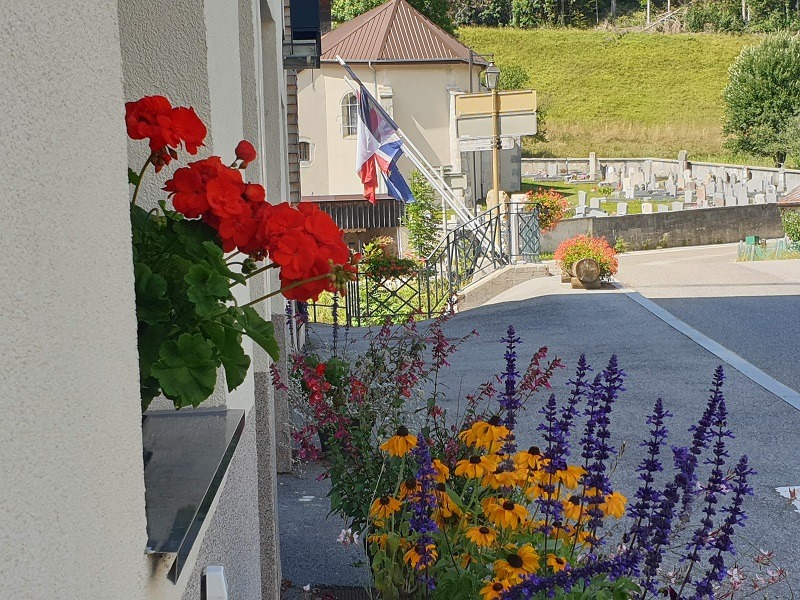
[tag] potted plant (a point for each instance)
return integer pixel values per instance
(582, 247)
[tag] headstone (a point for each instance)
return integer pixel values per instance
(552, 170)
(672, 190)
(592, 166)
(687, 175)
(711, 187)
(648, 169)
(580, 210)
(741, 194)
(719, 199)
(760, 199)
(581, 198)
(638, 177)
(597, 213)
(730, 200)
(676, 206)
(627, 183)
(647, 208)
(653, 184)
(701, 194)
(663, 208)
(594, 203)
(688, 197)
(622, 208)
(781, 180)
(681, 181)
(772, 194)
(630, 194)
(755, 185)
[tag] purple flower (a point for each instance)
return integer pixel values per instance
(423, 501)
(510, 401)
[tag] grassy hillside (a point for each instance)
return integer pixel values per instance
(631, 94)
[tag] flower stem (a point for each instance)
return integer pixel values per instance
(141, 175)
(286, 289)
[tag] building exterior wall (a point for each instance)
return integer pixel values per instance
(73, 486)
(75, 523)
(418, 96)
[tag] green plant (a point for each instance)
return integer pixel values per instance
(189, 322)
(552, 207)
(791, 224)
(437, 11)
(621, 246)
(422, 217)
(762, 99)
(583, 246)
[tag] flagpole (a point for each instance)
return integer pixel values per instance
(416, 157)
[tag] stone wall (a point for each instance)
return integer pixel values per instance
(672, 229)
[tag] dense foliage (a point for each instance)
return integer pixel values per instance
(762, 99)
(584, 246)
(422, 217)
(437, 11)
(552, 206)
(791, 225)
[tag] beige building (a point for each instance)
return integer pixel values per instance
(79, 503)
(415, 70)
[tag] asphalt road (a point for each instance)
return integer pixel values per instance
(751, 309)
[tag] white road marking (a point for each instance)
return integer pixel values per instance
(746, 368)
(306, 499)
(791, 493)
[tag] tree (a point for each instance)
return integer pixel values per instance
(437, 11)
(422, 217)
(762, 99)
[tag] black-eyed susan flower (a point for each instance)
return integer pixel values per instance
(529, 459)
(400, 443)
(445, 505)
(408, 487)
(507, 513)
(490, 434)
(413, 556)
(494, 589)
(614, 505)
(442, 471)
(378, 540)
(573, 508)
(556, 563)
(516, 564)
(384, 507)
(475, 466)
(481, 536)
(502, 476)
(570, 476)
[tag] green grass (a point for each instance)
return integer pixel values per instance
(631, 94)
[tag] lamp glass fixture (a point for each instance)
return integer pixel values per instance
(492, 74)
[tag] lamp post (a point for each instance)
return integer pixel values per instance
(492, 74)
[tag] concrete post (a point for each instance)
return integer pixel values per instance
(592, 166)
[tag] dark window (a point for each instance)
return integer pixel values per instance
(349, 114)
(305, 152)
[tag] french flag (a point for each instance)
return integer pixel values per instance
(378, 149)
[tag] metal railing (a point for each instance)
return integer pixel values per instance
(495, 238)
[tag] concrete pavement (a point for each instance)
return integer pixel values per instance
(701, 286)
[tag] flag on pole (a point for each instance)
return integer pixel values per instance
(378, 147)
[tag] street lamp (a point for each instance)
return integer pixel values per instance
(492, 75)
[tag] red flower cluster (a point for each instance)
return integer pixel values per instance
(154, 118)
(584, 246)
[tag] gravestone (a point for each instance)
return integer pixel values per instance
(653, 184)
(552, 170)
(772, 194)
(711, 187)
(663, 208)
(760, 199)
(630, 194)
(597, 213)
(742, 200)
(755, 185)
(672, 190)
(647, 208)
(648, 169)
(681, 181)
(677, 205)
(627, 184)
(622, 208)
(594, 203)
(719, 199)
(730, 200)
(701, 194)
(581, 198)
(580, 210)
(687, 176)
(688, 197)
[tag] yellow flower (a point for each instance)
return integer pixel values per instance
(517, 564)
(413, 557)
(465, 560)
(408, 487)
(493, 589)
(490, 434)
(614, 505)
(573, 508)
(378, 540)
(475, 467)
(481, 536)
(529, 459)
(384, 507)
(500, 477)
(570, 476)
(401, 443)
(442, 471)
(556, 563)
(507, 514)
(447, 507)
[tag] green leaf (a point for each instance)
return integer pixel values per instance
(186, 370)
(228, 341)
(149, 388)
(133, 177)
(152, 304)
(260, 331)
(206, 289)
(216, 258)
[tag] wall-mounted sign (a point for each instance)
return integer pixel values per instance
(517, 111)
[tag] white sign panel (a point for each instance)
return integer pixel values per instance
(481, 144)
(510, 124)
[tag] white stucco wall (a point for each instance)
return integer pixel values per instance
(420, 103)
(72, 493)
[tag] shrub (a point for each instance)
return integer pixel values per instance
(791, 224)
(552, 207)
(422, 217)
(583, 246)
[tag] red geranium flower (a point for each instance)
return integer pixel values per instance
(245, 152)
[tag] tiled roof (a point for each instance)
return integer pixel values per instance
(792, 198)
(393, 32)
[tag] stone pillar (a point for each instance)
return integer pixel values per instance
(592, 166)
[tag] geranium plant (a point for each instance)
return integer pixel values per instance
(552, 206)
(584, 246)
(381, 263)
(218, 233)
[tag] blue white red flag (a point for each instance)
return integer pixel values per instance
(379, 147)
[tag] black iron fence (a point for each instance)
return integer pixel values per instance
(495, 238)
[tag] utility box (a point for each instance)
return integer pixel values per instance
(752, 240)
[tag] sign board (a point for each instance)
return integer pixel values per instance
(517, 101)
(483, 143)
(517, 111)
